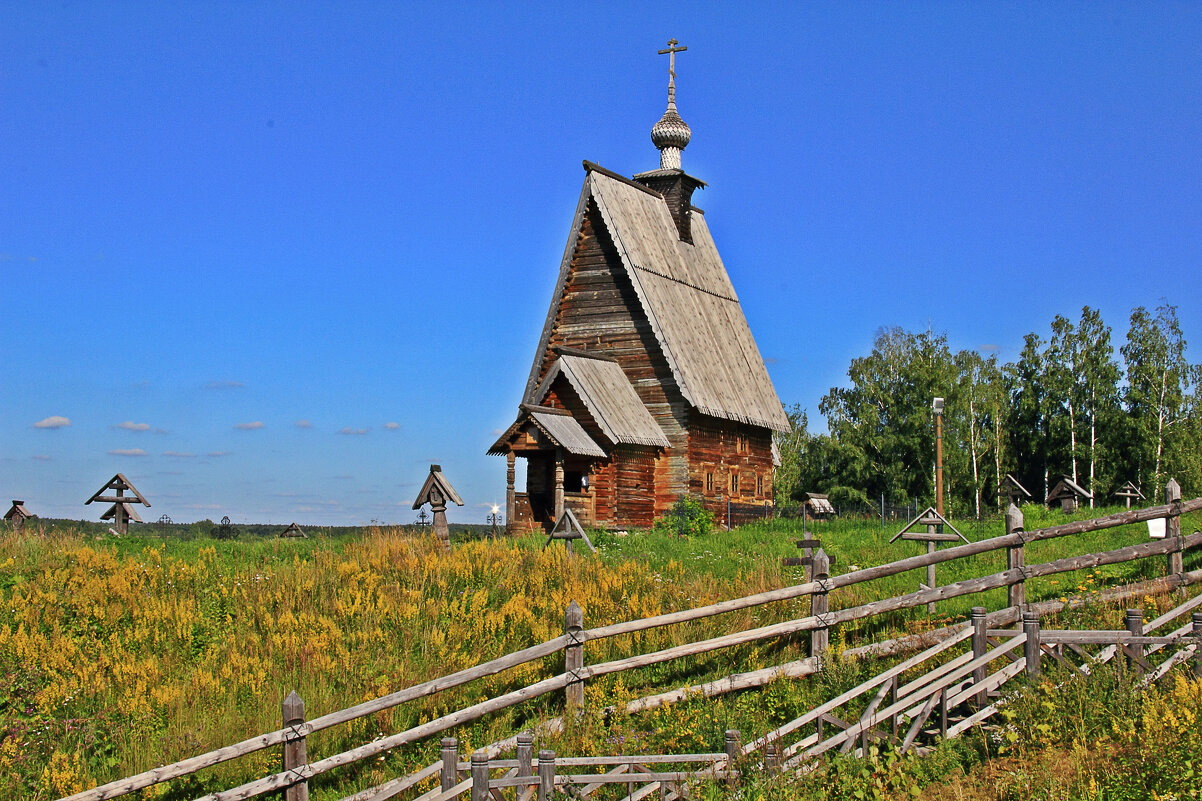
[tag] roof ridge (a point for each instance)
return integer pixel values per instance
(590, 166)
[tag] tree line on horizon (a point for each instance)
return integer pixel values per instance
(1068, 406)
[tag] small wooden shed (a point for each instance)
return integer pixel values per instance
(18, 514)
(294, 531)
(1069, 493)
(819, 505)
(1009, 489)
(1129, 492)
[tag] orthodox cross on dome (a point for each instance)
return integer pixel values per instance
(671, 54)
(671, 134)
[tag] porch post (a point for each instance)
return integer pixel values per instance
(511, 506)
(558, 484)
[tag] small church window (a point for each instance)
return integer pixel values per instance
(709, 482)
(734, 483)
(759, 485)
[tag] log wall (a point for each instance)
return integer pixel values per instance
(724, 449)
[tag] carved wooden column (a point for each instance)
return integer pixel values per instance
(511, 506)
(558, 485)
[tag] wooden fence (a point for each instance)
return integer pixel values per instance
(291, 737)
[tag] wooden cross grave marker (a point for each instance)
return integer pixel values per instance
(437, 491)
(122, 510)
(808, 548)
(568, 529)
(934, 523)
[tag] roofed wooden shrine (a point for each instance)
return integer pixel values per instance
(647, 383)
(1069, 493)
(18, 514)
(122, 510)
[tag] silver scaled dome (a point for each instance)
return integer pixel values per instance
(671, 130)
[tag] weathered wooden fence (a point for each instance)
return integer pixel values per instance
(297, 768)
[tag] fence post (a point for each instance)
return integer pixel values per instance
(546, 775)
(1016, 556)
(820, 637)
(525, 755)
(1197, 618)
(734, 753)
(771, 759)
(1172, 528)
(295, 750)
(980, 643)
(480, 776)
(1031, 649)
(573, 656)
(450, 763)
(1135, 625)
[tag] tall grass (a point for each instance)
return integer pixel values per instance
(119, 655)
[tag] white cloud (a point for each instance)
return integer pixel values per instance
(354, 431)
(54, 421)
(179, 455)
(224, 385)
(127, 452)
(303, 424)
(130, 425)
(256, 425)
(392, 426)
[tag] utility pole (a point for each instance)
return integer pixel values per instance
(938, 407)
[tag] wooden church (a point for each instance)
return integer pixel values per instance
(646, 384)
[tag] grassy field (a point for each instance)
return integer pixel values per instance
(118, 655)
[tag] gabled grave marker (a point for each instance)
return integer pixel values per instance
(437, 491)
(294, 530)
(122, 510)
(934, 534)
(568, 528)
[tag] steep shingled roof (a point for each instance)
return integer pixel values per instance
(610, 399)
(688, 299)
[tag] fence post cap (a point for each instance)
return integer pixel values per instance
(546, 755)
(293, 707)
(1014, 519)
(1135, 614)
(479, 757)
(525, 739)
(1172, 490)
(979, 611)
(1030, 617)
(574, 614)
(450, 742)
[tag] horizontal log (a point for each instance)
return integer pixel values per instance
(922, 536)
(1057, 636)
(912, 642)
(396, 786)
(733, 683)
(636, 759)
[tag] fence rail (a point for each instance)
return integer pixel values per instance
(297, 769)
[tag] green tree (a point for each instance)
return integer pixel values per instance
(1161, 391)
(1098, 379)
(1030, 414)
(882, 423)
(978, 404)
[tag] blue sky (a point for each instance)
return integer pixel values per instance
(271, 260)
